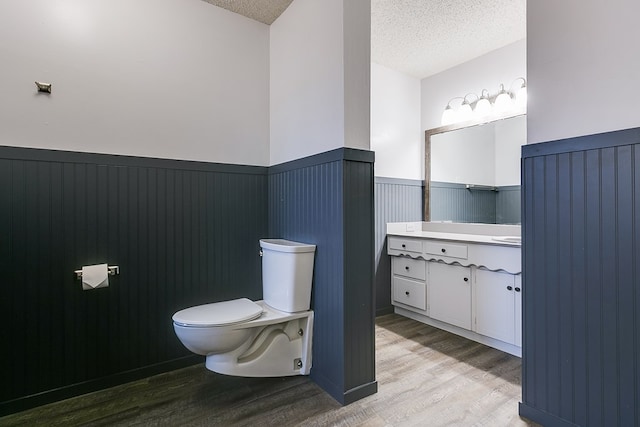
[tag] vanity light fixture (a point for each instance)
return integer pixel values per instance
(520, 93)
(483, 106)
(465, 112)
(450, 115)
(503, 101)
(503, 104)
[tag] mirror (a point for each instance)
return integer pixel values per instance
(472, 171)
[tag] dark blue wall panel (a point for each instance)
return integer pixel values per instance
(396, 200)
(581, 264)
(183, 233)
(327, 200)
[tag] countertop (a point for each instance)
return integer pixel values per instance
(472, 233)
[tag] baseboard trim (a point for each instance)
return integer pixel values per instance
(382, 311)
(360, 392)
(50, 396)
(542, 417)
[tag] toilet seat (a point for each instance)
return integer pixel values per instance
(223, 313)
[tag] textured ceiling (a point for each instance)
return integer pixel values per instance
(425, 37)
(421, 37)
(265, 11)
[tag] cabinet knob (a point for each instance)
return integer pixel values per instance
(407, 268)
(517, 289)
(443, 250)
(404, 246)
(466, 279)
(509, 288)
(407, 293)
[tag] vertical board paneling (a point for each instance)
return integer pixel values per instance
(581, 361)
(454, 202)
(306, 205)
(329, 202)
(565, 332)
(396, 200)
(508, 202)
(359, 291)
(183, 233)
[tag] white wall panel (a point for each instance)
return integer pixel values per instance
(175, 79)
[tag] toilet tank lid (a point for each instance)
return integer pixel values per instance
(219, 313)
(282, 245)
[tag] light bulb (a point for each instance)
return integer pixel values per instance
(448, 116)
(464, 111)
(503, 102)
(483, 106)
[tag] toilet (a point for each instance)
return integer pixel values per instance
(267, 338)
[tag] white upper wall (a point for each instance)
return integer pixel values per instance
(396, 135)
(510, 135)
(320, 65)
(502, 65)
(583, 67)
(158, 78)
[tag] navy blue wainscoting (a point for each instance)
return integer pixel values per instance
(581, 268)
(327, 200)
(183, 233)
(396, 200)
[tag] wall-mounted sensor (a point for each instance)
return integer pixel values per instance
(44, 87)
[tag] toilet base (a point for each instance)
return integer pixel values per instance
(274, 350)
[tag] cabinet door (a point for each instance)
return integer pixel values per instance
(518, 309)
(494, 305)
(449, 288)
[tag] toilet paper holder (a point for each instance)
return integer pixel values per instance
(111, 269)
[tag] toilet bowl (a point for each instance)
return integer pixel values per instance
(266, 338)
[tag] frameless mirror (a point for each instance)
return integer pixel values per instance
(472, 172)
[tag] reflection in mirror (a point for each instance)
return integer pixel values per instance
(473, 172)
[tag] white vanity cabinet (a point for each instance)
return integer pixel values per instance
(463, 283)
(409, 282)
(518, 303)
(497, 297)
(450, 294)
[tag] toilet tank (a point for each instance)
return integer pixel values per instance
(287, 272)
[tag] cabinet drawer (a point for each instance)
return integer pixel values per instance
(445, 249)
(409, 267)
(405, 245)
(409, 292)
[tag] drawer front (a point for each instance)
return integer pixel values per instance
(405, 245)
(409, 267)
(409, 292)
(445, 249)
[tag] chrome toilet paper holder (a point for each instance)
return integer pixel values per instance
(111, 269)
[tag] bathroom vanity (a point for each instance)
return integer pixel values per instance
(463, 278)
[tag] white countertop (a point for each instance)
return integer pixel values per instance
(490, 234)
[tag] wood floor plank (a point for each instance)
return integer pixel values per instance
(426, 377)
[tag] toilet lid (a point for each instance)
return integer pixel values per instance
(219, 313)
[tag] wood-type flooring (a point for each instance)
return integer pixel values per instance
(426, 377)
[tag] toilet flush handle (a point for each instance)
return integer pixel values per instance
(261, 253)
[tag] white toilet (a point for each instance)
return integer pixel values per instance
(268, 338)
